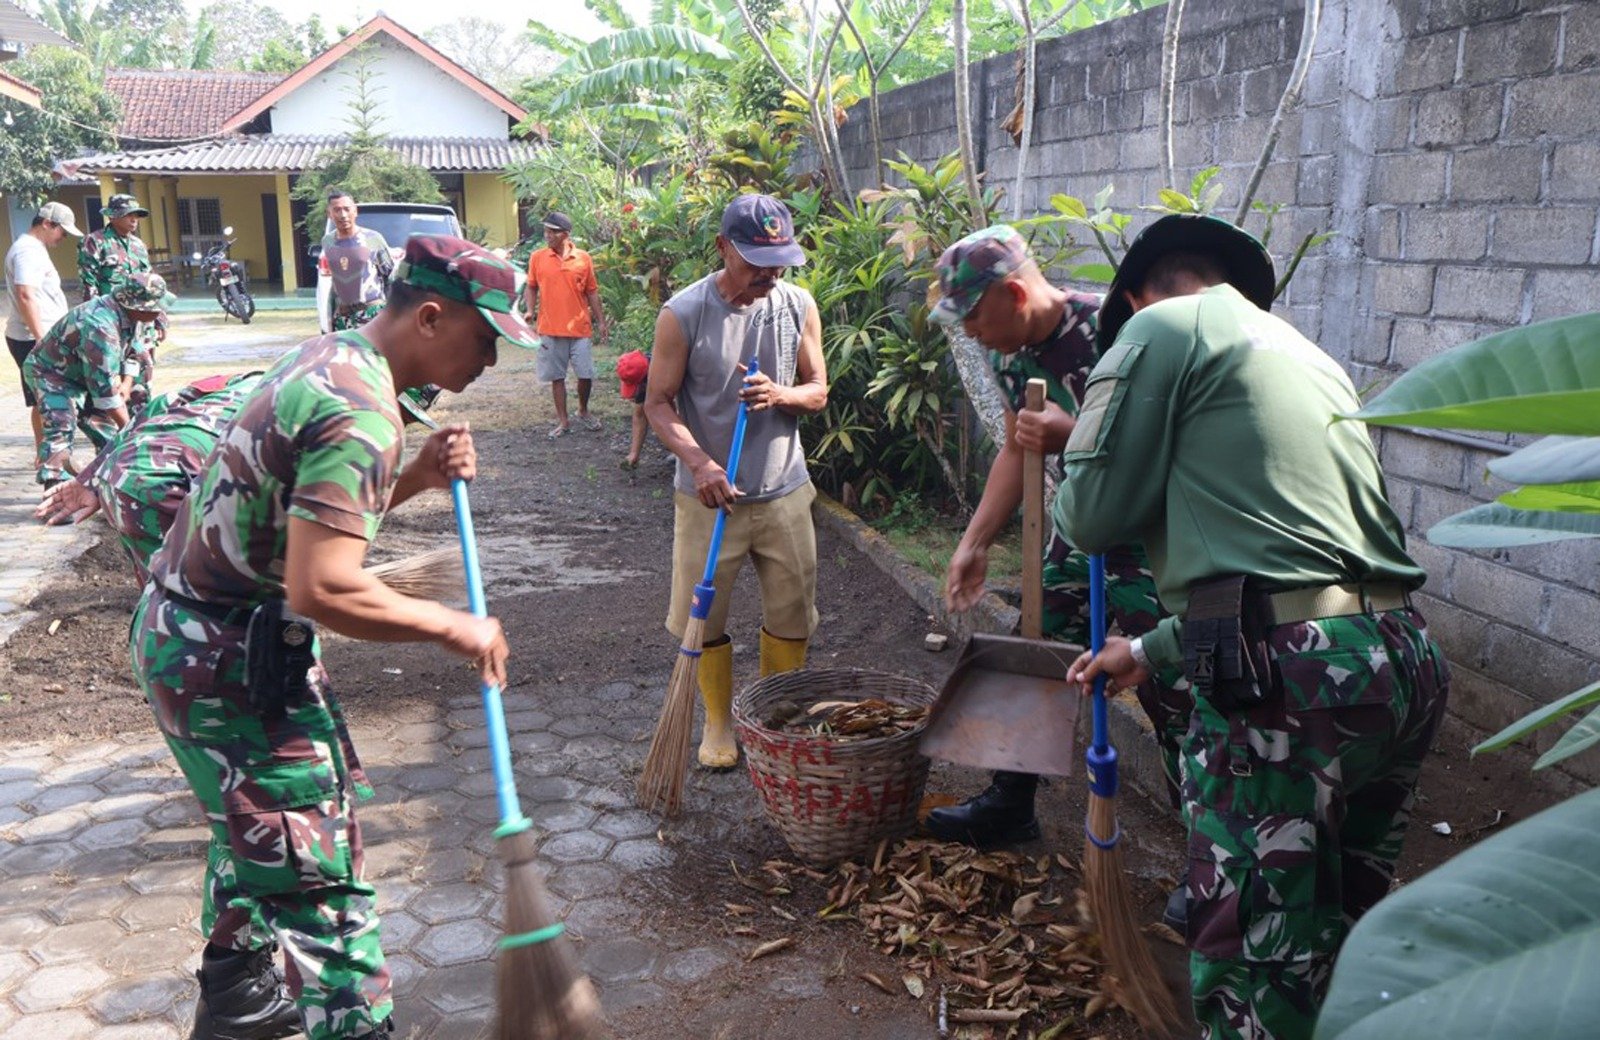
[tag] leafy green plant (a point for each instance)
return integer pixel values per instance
(1501, 939)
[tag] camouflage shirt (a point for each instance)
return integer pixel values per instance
(105, 259)
(1063, 359)
(320, 438)
(85, 353)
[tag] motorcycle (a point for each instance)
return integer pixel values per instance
(228, 278)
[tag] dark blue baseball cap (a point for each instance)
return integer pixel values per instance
(761, 229)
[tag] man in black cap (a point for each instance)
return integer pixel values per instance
(706, 336)
(1207, 433)
(564, 295)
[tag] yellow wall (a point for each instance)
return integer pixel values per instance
(491, 203)
(241, 208)
(65, 255)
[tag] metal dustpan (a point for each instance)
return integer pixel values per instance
(1008, 704)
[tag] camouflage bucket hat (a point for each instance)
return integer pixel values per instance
(973, 264)
(144, 291)
(122, 206)
(415, 402)
(459, 270)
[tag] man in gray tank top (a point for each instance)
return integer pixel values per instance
(705, 337)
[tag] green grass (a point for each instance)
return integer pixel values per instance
(929, 541)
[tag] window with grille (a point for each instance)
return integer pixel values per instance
(199, 224)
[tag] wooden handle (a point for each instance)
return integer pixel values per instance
(1033, 527)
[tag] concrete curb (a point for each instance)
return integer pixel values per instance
(1139, 757)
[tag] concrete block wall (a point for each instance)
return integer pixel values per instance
(1452, 147)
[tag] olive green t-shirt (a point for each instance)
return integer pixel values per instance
(1207, 432)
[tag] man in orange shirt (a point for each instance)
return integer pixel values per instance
(563, 294)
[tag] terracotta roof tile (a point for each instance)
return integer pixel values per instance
(180, 105)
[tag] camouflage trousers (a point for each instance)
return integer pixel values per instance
(1296, 810)
(285, 856)
(63, 412)
(355, 315)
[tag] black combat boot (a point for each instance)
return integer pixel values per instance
(1176, 914)
(1002, 815)
(242, 997)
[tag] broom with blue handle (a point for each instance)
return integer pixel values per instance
(542, 994)
(1140, 986)
(660, 787)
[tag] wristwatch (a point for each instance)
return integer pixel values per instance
(1140, 658)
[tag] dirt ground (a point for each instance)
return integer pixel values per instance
(601, 536)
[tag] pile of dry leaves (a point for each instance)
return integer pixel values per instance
(1002, 943)
(847, 720)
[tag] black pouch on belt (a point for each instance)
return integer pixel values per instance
(1225, 644)
(278, 658)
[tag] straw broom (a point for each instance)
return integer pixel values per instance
(660, 787)
(1140, 987)
(542, 994)
(436, 574)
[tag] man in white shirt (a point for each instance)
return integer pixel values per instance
(34, 285)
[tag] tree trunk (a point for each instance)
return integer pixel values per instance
(1291, 95)
(969, 155)
(977, 379)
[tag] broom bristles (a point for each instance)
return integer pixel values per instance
(660, 787)
(1140, 987)
(435, 574)
(542, 994)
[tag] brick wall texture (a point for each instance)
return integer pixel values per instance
(1452, 146)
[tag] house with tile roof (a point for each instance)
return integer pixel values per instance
(205, 150)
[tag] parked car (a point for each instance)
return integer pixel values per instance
(396, 222)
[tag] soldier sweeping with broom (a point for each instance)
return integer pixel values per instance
(1207, 433)
(223, 642)
(699, 383)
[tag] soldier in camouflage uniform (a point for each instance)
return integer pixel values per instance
(1299, 771)
(357, 260)
(990, 283)
(154, 462)
(280, 522)
(84, 368)
(107, 259)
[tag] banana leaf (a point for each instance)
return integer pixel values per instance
(1543, 717)
(1496, 526)
(1501, 941)
(1555, 498)
(1553, 460)
(1580, 737)
(1542, 378)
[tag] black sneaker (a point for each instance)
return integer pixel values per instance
(1176, 914)
(243, 997)
(1000, 816)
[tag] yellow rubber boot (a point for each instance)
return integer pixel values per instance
(718, 748)
(781, 655)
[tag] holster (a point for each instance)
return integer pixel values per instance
(1225, 653)
(279, 653)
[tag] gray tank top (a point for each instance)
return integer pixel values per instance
(720, 339)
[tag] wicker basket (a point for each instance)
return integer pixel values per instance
(832, 799)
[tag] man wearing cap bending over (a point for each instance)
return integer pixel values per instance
(1208, 431)
(83, 369)
(34, 285)
(564, 297)
(990, 283)
(268, 547)
(706, 335)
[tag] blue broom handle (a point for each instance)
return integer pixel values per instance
(505, 783)
(722, 514)
(1097, 643)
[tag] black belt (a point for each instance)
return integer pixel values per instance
(238, 616)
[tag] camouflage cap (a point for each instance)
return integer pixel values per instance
(459, 270)
(415, 402)
(973, 264)
(144, 291)
(122, 206)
